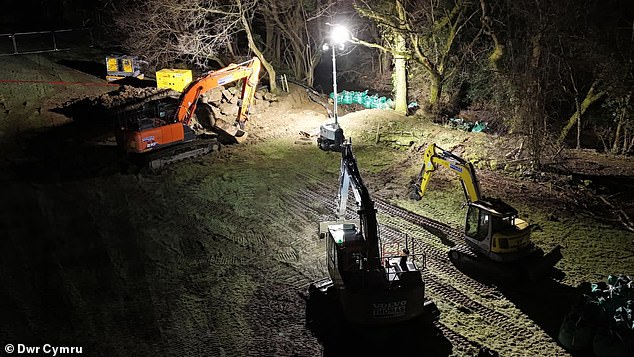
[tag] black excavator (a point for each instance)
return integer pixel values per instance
(371, 288)
(497, 242)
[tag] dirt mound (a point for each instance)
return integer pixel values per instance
(124, 98)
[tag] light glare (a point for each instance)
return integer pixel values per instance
(339, 34)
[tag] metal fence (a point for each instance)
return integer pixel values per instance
(44, 41)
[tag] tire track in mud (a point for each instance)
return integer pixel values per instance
(281, 298)
(459, 342)
(210, 326)
(278, 285)
(251, 236)
(462, 301)
(453, 235)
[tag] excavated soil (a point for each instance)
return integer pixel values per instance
(212, 256)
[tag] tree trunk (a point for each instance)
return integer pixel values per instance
(497, 54)
(617, 138)
(435, 89)
(269, 38)
(399, 82)
(299, 61)
(590, 98)
(579, 132)
(399, 76)
(266, 64)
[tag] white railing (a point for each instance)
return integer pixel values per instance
(44, 41)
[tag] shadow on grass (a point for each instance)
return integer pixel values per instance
(72, 151)
(417, 337)
(89, 67)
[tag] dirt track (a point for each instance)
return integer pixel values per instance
(211, 256)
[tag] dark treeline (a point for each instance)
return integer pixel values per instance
(559, 72)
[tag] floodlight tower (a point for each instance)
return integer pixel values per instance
(331, 135)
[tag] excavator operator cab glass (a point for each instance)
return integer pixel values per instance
(504, 223)
(478, 222)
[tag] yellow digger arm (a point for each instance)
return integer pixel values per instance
(435, 156)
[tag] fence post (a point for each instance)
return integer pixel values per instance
(54, 42)
(15, 46)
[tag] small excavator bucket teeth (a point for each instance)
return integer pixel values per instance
(230, 130)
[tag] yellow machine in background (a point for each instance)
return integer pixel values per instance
(176, 79)
(122, 66)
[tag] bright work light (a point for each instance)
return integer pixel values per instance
(331, 135)
(339, 34)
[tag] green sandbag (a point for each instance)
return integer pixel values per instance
(339, 97)
(362, 98)
(346, 97)
(609, 343)
(367, 101)
(479, 127)
(359, 97)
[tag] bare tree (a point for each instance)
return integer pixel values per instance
(246, 11)
(299, 26)
(168, 30)
(426, 32)
(197, 31)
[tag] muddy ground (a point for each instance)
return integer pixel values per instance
(212, 256)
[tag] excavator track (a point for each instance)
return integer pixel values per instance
(158, 159)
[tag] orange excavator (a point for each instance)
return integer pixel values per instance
(166, 134)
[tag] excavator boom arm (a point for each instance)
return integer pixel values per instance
(233, 72)
(435, 156)
(350, 177)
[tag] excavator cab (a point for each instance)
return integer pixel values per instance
(493, 226)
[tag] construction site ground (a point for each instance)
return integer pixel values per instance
(213, 256)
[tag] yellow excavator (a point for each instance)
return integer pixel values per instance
(497, 241)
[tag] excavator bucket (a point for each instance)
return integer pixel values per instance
(232, 131)
(542, 266)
